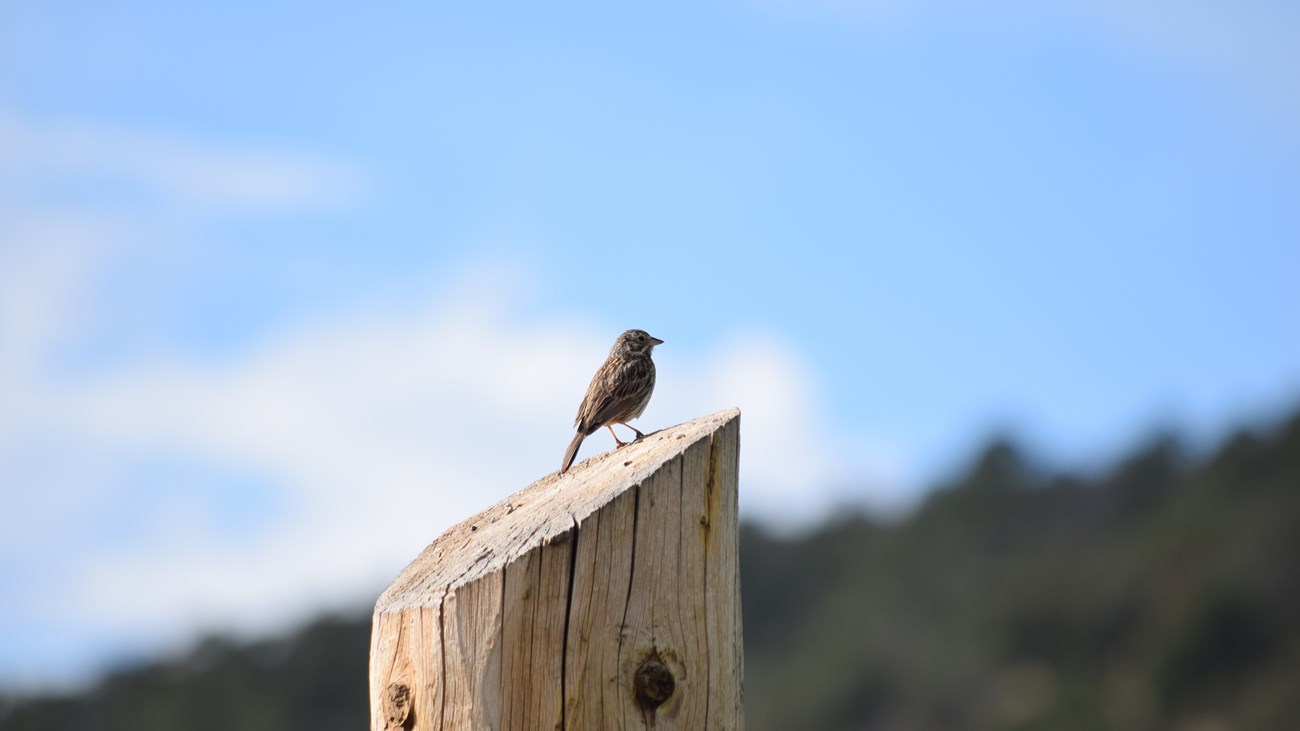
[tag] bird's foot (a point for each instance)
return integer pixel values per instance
(614, 434)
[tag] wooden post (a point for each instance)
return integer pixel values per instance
(604, 598)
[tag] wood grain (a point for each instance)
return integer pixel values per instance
(604, 598)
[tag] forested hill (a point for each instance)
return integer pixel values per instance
(1161, 594)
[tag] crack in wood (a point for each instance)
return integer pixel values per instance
(631, 569)
(568, 616)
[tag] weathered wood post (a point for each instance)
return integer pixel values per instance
(606, 598)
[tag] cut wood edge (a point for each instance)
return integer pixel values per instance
(538, 514)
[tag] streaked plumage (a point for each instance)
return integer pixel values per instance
(618, 392)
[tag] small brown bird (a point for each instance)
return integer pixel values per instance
(618, 392)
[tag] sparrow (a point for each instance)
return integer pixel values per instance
(618, 392)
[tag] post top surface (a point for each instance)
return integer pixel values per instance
(537, 514)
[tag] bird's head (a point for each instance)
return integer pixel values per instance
(636, 342)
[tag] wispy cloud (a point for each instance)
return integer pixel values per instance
(76, 200)
(1245, 48)
(174, 491)
(374, 431)
(49, 155)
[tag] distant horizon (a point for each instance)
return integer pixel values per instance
(363, 605)
(1160, 594)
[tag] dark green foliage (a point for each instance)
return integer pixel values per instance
(1161, 594)
(313, 680)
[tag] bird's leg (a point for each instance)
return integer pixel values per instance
(620, 442)
(639, 435)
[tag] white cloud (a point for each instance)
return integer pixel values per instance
(375, 428)
(172, 169)
(795, 467)
(382, 428)
(75, 199)
(42, 273)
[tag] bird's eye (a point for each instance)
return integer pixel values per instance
(640, 338)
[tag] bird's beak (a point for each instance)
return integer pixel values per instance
(655, 341)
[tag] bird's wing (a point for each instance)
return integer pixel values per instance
(622, 394)
(596, 394)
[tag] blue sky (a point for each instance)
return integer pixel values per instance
(266, 269)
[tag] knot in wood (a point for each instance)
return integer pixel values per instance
(397, 705)
(654, 684)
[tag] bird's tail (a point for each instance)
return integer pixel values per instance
(572, 452)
